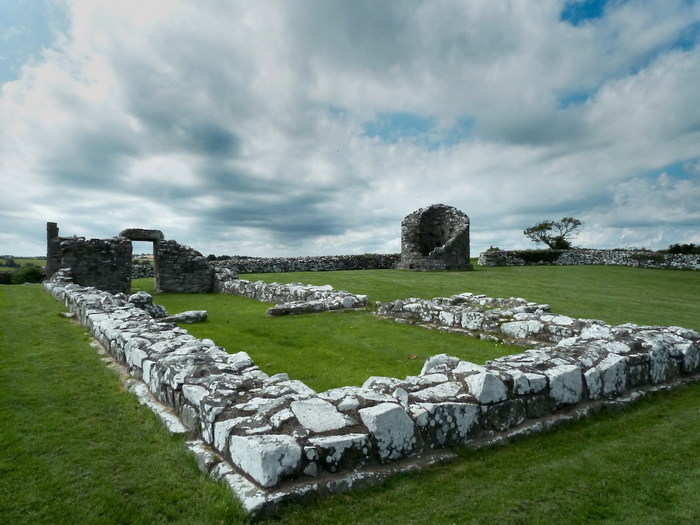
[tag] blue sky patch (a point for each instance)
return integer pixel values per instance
(393, 127)
(25, 29)
(577, 12)
(398, 126)
(574, 98)
(676, 170)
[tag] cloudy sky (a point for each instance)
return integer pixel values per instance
(303, 127)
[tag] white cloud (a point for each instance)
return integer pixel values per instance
(238, 127)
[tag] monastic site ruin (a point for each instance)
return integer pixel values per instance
(272, 438)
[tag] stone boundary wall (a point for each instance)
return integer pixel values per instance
(279, 433)
(293, 298)
(141, 270)
(322, 263)
(635, 258)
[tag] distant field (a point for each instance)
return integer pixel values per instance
(21, 261)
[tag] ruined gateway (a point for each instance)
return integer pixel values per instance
(435, 238)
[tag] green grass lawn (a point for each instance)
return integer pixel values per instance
(324, 350)
(75, 448)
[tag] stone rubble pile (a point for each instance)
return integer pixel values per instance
(634, 258)
(274, 429)
(323, 263)
(294, 298)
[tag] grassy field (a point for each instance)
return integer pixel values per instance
(76, 449)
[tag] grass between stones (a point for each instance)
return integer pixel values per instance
(75, 448)
(336, 349)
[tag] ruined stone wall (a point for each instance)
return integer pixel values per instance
(634, 258)
(435, 238)
(102, 263)
(293, 298)
(283, 439)
(53, 258)
(181, 269)
(322, 263)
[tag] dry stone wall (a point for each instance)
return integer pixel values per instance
(635, 258)
(280, 435)
(324, 263)
(140, 270)
(103, 263)
(182, 269)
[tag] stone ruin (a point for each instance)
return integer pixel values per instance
(435, 238)
(106, 264)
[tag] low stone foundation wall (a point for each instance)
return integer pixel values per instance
(635, 258)
(284, 439)
(294, 298)
(323, 263)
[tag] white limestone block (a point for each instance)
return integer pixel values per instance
(594, 383)
(487, 387)
(194, 393)
(392, 428)
(565, 384)
(266, 458)
(613, 372)
(442, 392)
(318, 415)
(521, 329)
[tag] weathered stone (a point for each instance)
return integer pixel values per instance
(391, 428)
(139, 234)
(487, 387)
(318, 415)
(504, 415)
(266, 458)
(333, 450)
(144, 301)
(565, 384)
(435, 238)
(189, 317)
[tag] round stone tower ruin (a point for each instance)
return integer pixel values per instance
(435, 238)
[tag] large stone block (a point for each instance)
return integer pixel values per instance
(266, 458)
(392, 429)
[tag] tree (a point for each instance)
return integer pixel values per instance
(555, 234)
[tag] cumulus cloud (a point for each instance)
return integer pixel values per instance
(243, 127)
